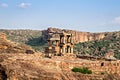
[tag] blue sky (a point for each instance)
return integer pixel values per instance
(82, 15)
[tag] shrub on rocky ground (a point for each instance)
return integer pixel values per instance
(83, 70)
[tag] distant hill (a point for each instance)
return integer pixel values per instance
(111, 42)
(96, 44)
(21, 36)
(38, 39)
(29, 37)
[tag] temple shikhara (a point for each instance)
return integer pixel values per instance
(60, 44)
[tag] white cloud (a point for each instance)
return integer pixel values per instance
(116, 20)
(4, 5)
(24, 5)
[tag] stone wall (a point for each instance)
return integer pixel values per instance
(97, 67)
(100, 66)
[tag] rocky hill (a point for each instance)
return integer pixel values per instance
(38, 39)
(34, 67)
(78, 36)
(21, 36)
(29, 37)
(6, 46)
(85, 42)
(110, 43)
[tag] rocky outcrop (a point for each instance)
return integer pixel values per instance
(2, 36)
(6, 46)
(77, 35)
(35, 67)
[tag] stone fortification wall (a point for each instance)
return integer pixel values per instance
(97, 67)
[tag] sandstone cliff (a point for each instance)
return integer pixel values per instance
(77, 35)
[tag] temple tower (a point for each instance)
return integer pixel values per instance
(61, 44)
(66, 43)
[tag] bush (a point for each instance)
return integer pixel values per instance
(102, 73)
(83, 70)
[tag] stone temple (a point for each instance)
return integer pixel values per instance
(60, 44)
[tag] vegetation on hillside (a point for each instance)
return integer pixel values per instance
(30, 37)
(21, 36)
(7, 46)
(111, 42)
(35, 39)
(83, 70)
(37, 43)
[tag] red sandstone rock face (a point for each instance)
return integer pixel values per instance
(77, 35)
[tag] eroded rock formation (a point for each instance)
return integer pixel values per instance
(78, 36)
